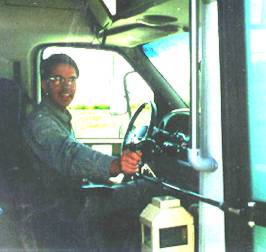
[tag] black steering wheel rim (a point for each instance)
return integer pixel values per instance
(151, 125)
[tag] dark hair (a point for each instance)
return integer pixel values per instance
(48, 64)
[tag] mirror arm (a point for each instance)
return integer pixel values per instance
(127, 93)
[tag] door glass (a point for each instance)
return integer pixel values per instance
(255, 13)
(256, 66)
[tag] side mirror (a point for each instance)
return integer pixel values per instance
(130, 94)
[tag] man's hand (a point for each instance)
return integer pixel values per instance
(128, 163)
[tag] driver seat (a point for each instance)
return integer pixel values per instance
(10, 111)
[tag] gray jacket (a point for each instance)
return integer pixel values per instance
(57, 158)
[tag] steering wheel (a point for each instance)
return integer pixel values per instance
(139, 132)
(140, 127)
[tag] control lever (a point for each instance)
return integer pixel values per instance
(101, 187)
(252, 212)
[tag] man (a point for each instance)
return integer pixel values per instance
(50, 124)
(60, 162)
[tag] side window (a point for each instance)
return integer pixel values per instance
(108, 92)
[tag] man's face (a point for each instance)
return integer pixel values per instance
(61, 84)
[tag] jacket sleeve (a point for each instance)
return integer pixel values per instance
(60, 151)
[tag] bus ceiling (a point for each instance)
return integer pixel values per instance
(133, 23)
(58, 4)
(137, 22)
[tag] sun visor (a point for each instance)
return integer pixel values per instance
(139, 22)
(135, 34)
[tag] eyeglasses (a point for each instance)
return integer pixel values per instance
(59, 80)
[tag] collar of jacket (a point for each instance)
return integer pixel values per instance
(62, 114)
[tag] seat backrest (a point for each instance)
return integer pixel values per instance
(10, 127)
(10, 150)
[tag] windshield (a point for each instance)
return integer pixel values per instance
(170, 56)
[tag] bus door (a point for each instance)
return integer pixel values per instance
(242, 31)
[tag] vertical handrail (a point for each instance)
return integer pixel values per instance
(194, 72)
(198, 162)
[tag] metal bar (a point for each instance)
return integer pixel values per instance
(183, 191)
(246, 212)
(197, 161)
(194, 73)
